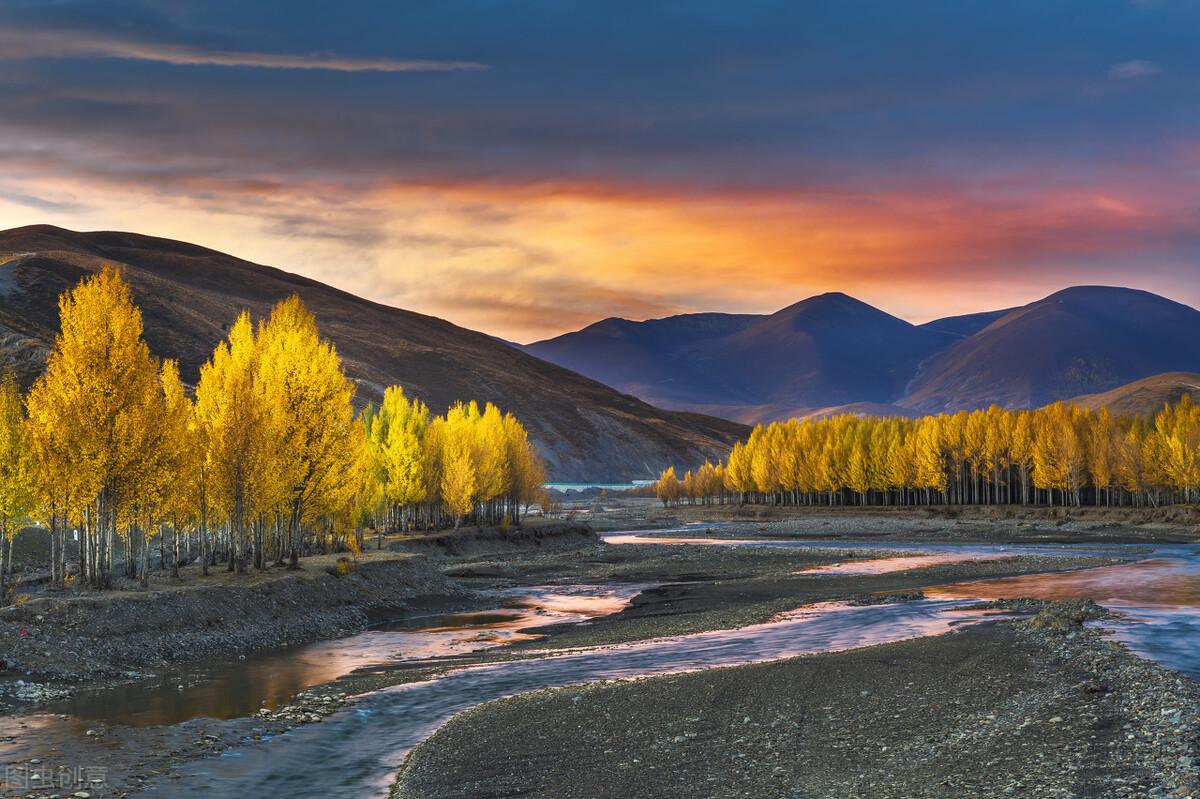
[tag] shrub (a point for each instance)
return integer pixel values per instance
(343, 567)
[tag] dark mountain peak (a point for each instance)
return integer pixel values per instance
(657, 360)
(1102, 308)
(666, 332)
(37, 230)
(831, 297)
(40, 238)
(828, 314)
(1115, 299)
(1081, 340)
(612, 325)
(829, 301)
(1098, 292)
(51, 238)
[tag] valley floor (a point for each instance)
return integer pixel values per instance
(962, 523)
(1043, 708)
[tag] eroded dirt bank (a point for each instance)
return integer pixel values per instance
(104, 635)
(68, 638)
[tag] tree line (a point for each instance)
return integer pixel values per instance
(1062, 454)
(265, 461)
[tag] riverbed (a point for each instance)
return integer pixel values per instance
(359, 748)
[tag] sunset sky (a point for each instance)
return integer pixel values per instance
(526, 168)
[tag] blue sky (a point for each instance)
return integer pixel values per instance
(526, 168)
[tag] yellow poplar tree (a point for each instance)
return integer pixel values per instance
(98, 404)
(526, 473)
(240, 435)
(667, 489)
(16, 475)
(395, 439)
(457, 478)
(310, 399)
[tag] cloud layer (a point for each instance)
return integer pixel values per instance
(18, 44)
(526, 173)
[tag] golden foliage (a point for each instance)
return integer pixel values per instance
(268, 454)
(1060, 453)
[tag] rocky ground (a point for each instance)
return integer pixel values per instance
(712, 588)
(55, 642)
(103, 635)
(957, 715)
(961, 524)
(1003, 709)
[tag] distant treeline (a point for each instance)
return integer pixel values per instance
(1062, 454)
(265, 460)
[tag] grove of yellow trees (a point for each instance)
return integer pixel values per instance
(266, 459)
(1061, 454)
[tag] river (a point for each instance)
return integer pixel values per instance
(356, 751)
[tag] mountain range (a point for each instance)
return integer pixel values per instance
(622, 399)
(832, 353)
(190, 296)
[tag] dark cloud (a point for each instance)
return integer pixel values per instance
(1028, 121)
(758, 92)
(40, 203)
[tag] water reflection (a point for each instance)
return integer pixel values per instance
(1156, 593)
(360, 748)
(906, 555)
(900, 563)
(637, 538)
(1154, 581)
(228, 689)
(1158, 600)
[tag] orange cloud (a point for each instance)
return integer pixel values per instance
(529, 261)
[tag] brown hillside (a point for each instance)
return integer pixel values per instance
(1147, 396)
(190, 295)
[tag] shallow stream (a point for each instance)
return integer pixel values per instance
(356, 751)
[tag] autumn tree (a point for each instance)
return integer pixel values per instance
(526, 472)
(1062, 453)
(308, 397)
(667, 488)
(458, 482)
(16, 475)
(99, 406)
(268, 456)
(395, 441)
(240, 431)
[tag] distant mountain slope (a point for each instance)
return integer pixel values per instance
(652, 359)
(1080, 340)
(860, 409)
(967, 324)
(1145, 397)
(827, 350)
(833, 353)
(190, 295)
